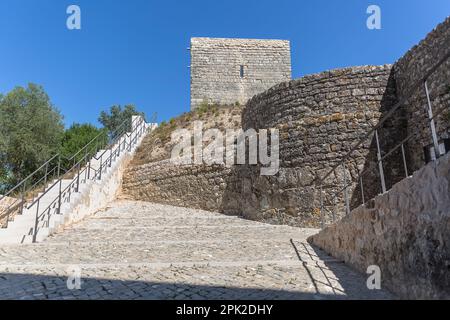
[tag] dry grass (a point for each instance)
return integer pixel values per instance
(157, 145)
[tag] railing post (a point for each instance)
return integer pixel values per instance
(45, 177)
(78, 177)
(362, 189)
(59, 166)
(23, 197)
(48, 218)
(85, 168)
(334, 208)
(404, 161)
(59, 197)
(129, 144)
(36, 222)
(432, 124)
(347, 206)
(89, 169)
(100, 168)
(380, 163)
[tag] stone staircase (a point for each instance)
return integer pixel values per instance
(48, 211)
(141, 250)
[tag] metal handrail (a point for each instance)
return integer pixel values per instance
(120, 127)
(396, 106)
(66, 171)
(138, 130)
(432, 116)
(28, 177)
(60, 156)
(58, 169)
(75, 178)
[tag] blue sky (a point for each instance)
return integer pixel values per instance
(134, 51)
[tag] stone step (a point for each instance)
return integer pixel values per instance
(260, 280)
(129, 209)
(181, 233)
(160, 252)
(155, 221)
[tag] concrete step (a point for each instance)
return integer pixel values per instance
(48, 202)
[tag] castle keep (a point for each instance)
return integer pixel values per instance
(226, 71)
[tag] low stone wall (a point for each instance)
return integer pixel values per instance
(406, 232)
(195, 186)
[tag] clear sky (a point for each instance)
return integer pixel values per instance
(134, 51)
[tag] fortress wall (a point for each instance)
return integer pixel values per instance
(411, 68)
(320, 117)
(215, 68)
(405, 232)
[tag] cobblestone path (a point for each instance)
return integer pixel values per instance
(139, 250)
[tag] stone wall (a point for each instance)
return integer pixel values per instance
(411, 68)
(195, 186)
(406, 232)
(216, 68)
(320, 117)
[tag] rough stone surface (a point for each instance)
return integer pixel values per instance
(406, 232)
(216, 68)
(138, 250)
(319, 117)
(194, 186)
(411, 68)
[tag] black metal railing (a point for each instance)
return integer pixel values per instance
(59, 166)
(82, 173)
(338, 194)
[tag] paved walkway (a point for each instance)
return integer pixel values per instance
(139, 250)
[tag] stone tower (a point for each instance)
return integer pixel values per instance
(226, 71)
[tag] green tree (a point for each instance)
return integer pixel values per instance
(31, 130)
(116, 116)
(78, 136)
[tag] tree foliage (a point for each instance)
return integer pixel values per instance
(31, 130)
(78, 136)
(116, 116)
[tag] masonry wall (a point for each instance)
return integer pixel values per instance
(319, 117)
(406, 232)
(194, 186)
(215, 68)
(410, 69)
